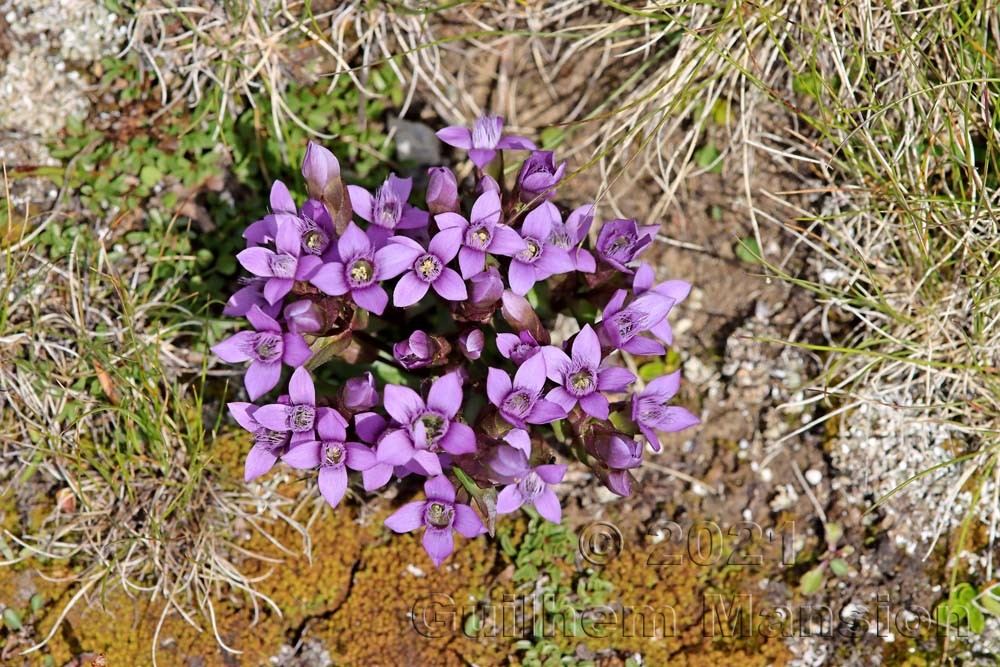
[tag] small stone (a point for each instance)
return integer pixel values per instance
(813, 476)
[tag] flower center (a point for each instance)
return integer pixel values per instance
(532, 252)
(267, 347)
(531, 486)
(522, 352)
(314, 241)
(485, 133)
(621, 247)
(518, 403)
(334, 454)
(282, 266)
(270, 441)
(302, 418)
(428, 268)
(478, 237)
(388, 208)
(582, 382)
(439, 514)
(361, 272)
(435, 426)
(559, 237)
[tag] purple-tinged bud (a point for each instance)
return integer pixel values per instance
(319, 167)
(359, 393)
(303, 316)
(487, 184)
(442, 191)
(416, 351)
(471, 344)
(617, 481)
(522, 317)
(614, 449)
(486, 287)
(539, 176)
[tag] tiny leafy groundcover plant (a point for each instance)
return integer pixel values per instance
(420, 319)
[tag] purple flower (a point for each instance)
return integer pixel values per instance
(534, 488)
(281, 268)
(442, 191)
(332, 454)
(518, 348)
(650, 410)
(620, 241)
(312, 224)
(303, 317)
(520, 401)
(250, 295)
(426, 428)
(570, 234)
(299, 415)
(416, 351)
(616, 450)
(539, 176)
(471, 344)
(427, 268)
(484, 139)
(675, 290)
(508, 462)
(359, 272)
(539, 259)
(485, 288)
(370, 427)
(439, 514)
(388, 210)
(268, 445)
(359, 393)
(319, 167)
(266, 348)
(617, 481)
(583, 377)
(484, 234)
(621, 327)
(487, 184)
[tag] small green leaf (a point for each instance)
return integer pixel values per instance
(990, 600)
(833, 534)
(12, 619)
(839, 567)
(652, 370)
(811, 581)
(976, 619)
(748, 251)
(964, 592)
(947, 614)
(472, 625)
(707, 157)
(36, 602)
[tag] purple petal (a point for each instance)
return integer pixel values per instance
(377, 476)
(445, 394)
(556, 363)
(545, 412)
(487, 208)
(236, 348)
(665, 386)
(439, 543)
(449, 285)
(615, 304)
(506, 342)
(277, 288)
(467, 522)
(258, 462)
(393, 259)
(289, 240)
(509, 499)
(281, 199)
(261, 321)
(256, 261)
(583, 260)
(427, 461)
(359, 457)
(506, 242)
(307, 266)
(552, 473)
(460, 439)
(548, 506)
(369, 426)
(446, 243)
(261, 378)
(304, 456)
(456, 136)
(663, 331)
(498, 385)
(449, 220)
(538, 223)
(395, 448)
(361, 202)
(586, 346)
(243, 414)
(471, 261)
(273, 416)
(522, 277)
(301, 390)
(614, 379)
(372, 298)
(531, 374)
(353, 243)
(677, 290)
(296, 350)
(554, 261)
(642, 346)
(676, 418)
(402, 403)
(514, 142)
(481, 156)
(520, 440)
(439, 488)
(330, 279)
(565, 399)
(413, 217)
(330, 425)
(595, 405)
(408, 517)
(333, 484)
(643, 280)
(409, 290)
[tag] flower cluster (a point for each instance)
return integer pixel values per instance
(418, 318)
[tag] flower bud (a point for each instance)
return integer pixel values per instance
(487, 184)
(471, 344)
(359, 393)
(442, 191)
(303, 316)
(486, 287)
(319, 167)
(416, 351)
(522, 317)
(539, 176)
(617, 481)
(615, 449)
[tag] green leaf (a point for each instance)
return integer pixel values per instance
(652, 370)
(811, 581)
(12, 619)
(36, 602)
(748, 251)
(839, 567)
(472, 625)
(964, 592)
(833, 534)
(976, 619)
(707, 157)
(946, 613)
(990, 600)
